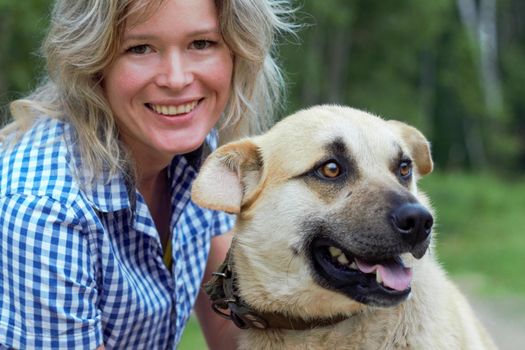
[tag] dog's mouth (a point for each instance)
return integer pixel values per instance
(379, 282)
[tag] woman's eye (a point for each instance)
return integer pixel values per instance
(139, 49)
(201, 44)
(330, 169)
(405, 169)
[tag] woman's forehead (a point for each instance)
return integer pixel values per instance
(192, 17)
(139, 11)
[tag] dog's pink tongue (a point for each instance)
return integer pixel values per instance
(393, 274)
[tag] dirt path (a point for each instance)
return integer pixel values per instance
(504, 320)
(503, 317)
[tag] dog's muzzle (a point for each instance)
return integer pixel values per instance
(364, 260)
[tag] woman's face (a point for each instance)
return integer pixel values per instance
(171, 80)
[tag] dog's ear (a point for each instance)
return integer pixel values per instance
(228, 177)
(419, 146)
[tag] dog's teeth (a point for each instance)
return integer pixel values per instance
(407, 260)
(343, 260)
(335, 252)
(379, 279)
(353, 265)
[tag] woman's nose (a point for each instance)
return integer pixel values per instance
(174, 72)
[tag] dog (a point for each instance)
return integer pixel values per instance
(332, 245)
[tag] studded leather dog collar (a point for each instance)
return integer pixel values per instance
(227, 303)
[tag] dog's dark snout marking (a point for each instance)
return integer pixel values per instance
(413, 222)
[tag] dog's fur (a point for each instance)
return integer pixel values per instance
(284, 201)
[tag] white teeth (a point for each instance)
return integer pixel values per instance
(407, 260)
(379, 279)
(335, 252)
(343, 260)
(174, 110)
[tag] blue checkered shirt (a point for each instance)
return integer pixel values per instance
(83, 266)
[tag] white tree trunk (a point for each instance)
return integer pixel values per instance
(481, 22)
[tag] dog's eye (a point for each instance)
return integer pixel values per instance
(405, 169)
(330, 169)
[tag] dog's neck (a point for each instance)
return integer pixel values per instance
(226, 302)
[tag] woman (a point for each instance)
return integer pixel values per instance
(101, 244)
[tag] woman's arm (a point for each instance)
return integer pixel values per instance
(219, 332)
(49, 299)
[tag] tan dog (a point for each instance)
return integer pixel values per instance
(333, 240)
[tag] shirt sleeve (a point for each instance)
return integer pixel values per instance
(222, 223)
(48, 292)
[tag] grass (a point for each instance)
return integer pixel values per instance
(480, 232)
(192, 339)
(481, 228)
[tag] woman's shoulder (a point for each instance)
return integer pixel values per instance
(37, 161)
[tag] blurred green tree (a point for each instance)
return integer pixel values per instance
(450, 67)
(22, 26)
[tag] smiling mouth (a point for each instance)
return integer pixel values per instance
(379, 282)
(172, 110)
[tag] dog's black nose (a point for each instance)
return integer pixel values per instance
(413, 222)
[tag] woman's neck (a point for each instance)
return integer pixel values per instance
(155, 190)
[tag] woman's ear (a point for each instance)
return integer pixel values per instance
(228, 177)
(418, 144)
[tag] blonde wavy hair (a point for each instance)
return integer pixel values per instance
(84, 38)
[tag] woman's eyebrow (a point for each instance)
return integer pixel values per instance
(138, 37)
(145, 37)
(213, 30)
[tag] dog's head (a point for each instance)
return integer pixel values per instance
(329, 215)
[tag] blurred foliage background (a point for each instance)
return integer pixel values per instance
(452, 68)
